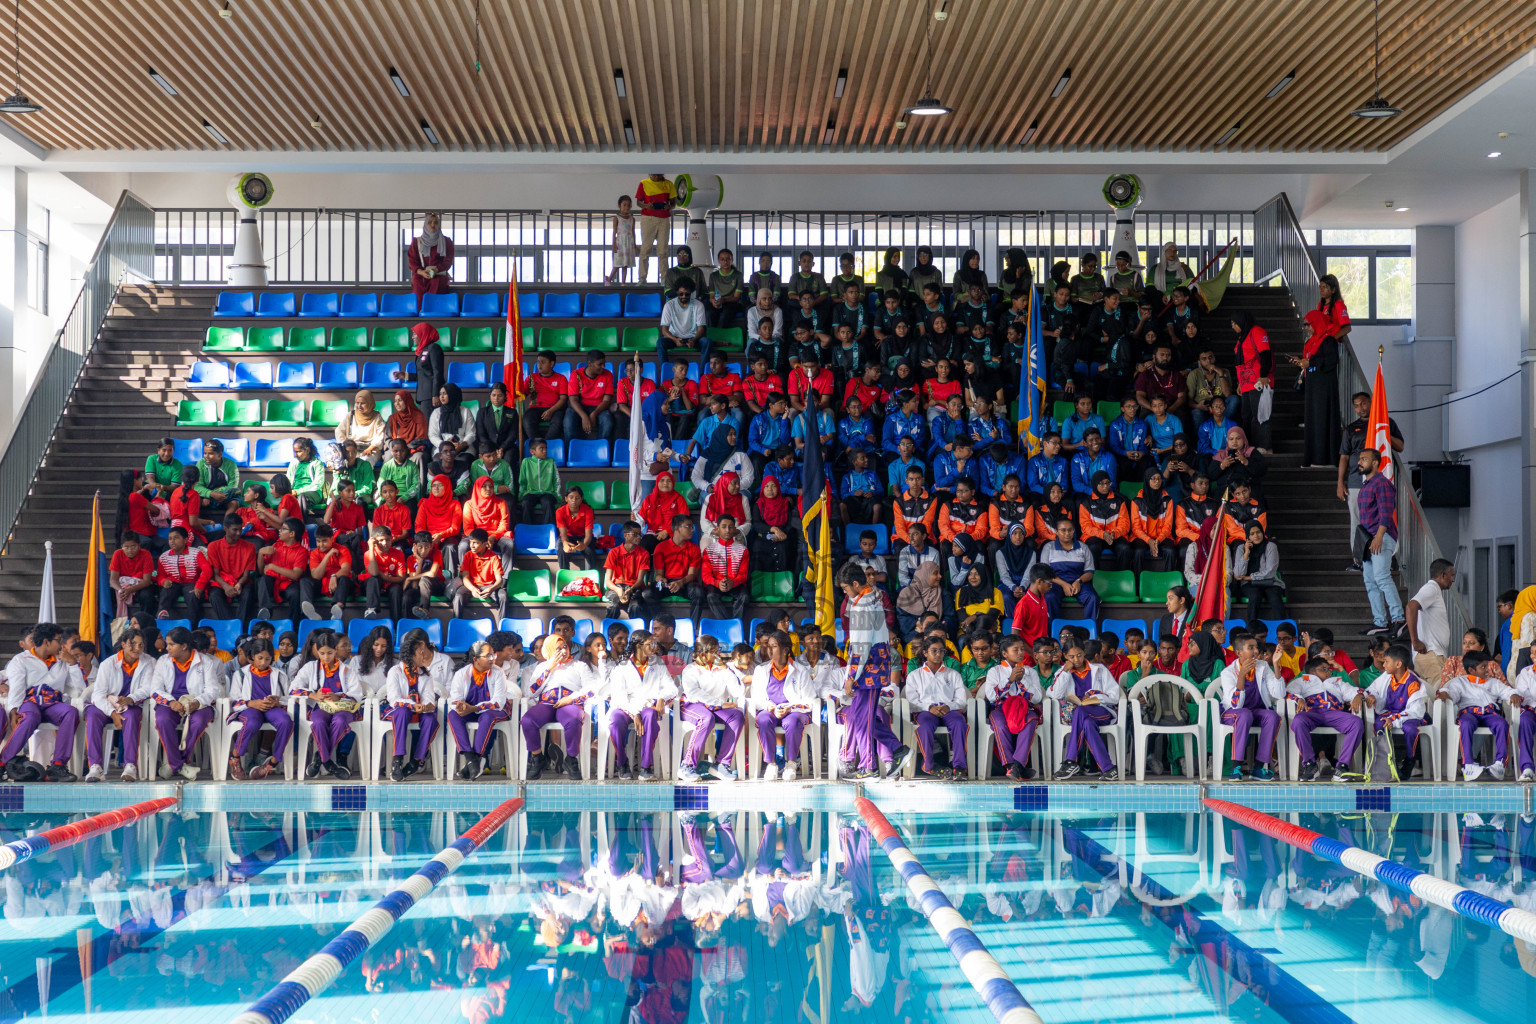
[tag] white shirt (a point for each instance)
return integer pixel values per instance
(109, 682)
(1270, 688)
(1525, 686)
(1467, 694)
(926, 688)
(373, 682)
(1307, 686)
(199, 686)
(1434, 625)
(397, 688)
(27, 670)
(799, 689)
(828, 675)
(712, 687)
(997, 686)
(310, 677)
(1101, 684)
(570, 677)
(240, 689)
(501, 692)
(1413, 708)
(683, 321)
(628, 690)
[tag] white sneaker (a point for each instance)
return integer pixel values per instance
(791, 771)
(770, 772)
(188, 772)
(1497, 771)
(165, 771)
(1472, 772)
(1528, 776)
(309, 611)
(687, 775)
(337, 611)
(130, 773)
(96, 774)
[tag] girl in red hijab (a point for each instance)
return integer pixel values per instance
(486, 511)
(771, 538)
(407, 423)
(430, 374)
(658, 508)
(725, 499)
(440, 515)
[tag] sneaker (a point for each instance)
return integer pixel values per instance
(1111, 774)
(59, 773)
(188, 772)
(1069, 769)
(1402, 769)
(1155, 766)
(555, 759)
(1376, 631)
(397, 768)
(1014, 773)
(96, 774)
(312, 769)
(413, 766)
(1026, 772)
(1472, 772)
(371, 613)
(1399, 629)
(1352, 778)
(236, 768)
(725, 771)
(337, 611)
(340, 771)
(572, 769)
(1265, 773)
(476, 766)
(791, 772)
(923, 774)
(646, 775)
(420, 613)
(264, 769)
(860, 774)
(687, 775)
(464, 767)
(264, 613)
(1353, 567)
(845, 769)
(887, 769)
(166, 771)
(308, 609)
(1308, 771)
(1528, 776)
(902, 756)
(535, 765)
(130, 773)
(626, 774)
(1497, 771)
(770, 772)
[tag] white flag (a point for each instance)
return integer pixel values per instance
(636, 446)
(45, 612)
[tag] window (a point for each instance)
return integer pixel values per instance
(1374, 268)
(37, 258)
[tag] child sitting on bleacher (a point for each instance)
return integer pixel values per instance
(538, 484)
(400, 469)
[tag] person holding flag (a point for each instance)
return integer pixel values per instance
(1376, 543)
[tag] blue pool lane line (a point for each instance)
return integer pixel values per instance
(1511, 920)
(983, 971)
(317, 973)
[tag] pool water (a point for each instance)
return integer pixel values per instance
(752, 916)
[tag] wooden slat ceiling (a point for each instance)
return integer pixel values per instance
(748, 75)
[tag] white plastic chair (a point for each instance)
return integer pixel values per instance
(1453, 738)
(361, 727)
(682, 729)
(906, 729)
(224, 742)
(1221, 734)
(603, 756)
(1293, 751)
(382, 732)
(810, 745)
(1114, 733)
(583, 756)
(1431, 740)
(202, 754)
(1145, 730)
(981, 743)
(40, 746)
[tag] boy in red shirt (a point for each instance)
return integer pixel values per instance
(282, 565)
(721, 381)
(547, 390)
(257, 520)
(682, 404)
(809, 383)
(330, 574)
(394, 515)
(232, 590)
(132, 574)
(759, 384)
(423, 576)
(678, 567)
(624, 401)
(383, 574)
(628, 571)
(481, 577)
(346, 516)
(288, 504)
(589, 403)
(573, 531)
(140, 504)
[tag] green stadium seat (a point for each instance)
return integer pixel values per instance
(224, 339)
(726, 337)
(472, 406)
(618, 495)
(1116, 587)
(197, 414)
(776, 587)
(475, 339)
(639, 339)
(283, 414)
(1108, 412)
(689, 492)
(241, 413)
(565, 576)
(1061, 411)
(306, 339)
(391, 339)
(599, 339)
(325, 413)
(1153, 586)
(594, 492)
(265, 339)
(1129, 488)
(529, 586)
(349, 339)
(557, 339)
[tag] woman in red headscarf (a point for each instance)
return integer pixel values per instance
(429, 370)
(486, 511)
(771, 539)
(407, 423)
(658, 508)
(441, 516)
(725, 499)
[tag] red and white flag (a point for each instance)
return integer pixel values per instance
(1378, 429)
(512, 351)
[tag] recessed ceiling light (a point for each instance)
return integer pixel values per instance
(1227, 136)
(159, 79)
(1062, 83)
(618, 82)
(1494, 155)
(1290, 76)
(218, 136)
(1029, 133)
(841, 84)
(400, 86)
(1400, 209)
(629, 131)
(827, 136)
(426, 130)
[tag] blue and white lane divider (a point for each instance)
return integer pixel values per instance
(317, 973)
(1474, 905)
(983, 971)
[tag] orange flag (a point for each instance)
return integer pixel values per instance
(1379, 427)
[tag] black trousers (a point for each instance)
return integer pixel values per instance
(694, 592)
(169, 594)
(534, 424)
(731, 604)
(539, 509)
(309, 590)
(392, 597)
(286, 607)
(1114, 557)
(243, 608)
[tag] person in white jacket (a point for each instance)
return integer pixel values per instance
(479, 693)
(937, 696)
(184, 691)
(1525, 699)
(374, 658)
(558, 696)
(712, 696)
(410, 697)
(1323, 700)
(1089, 698)
(782, 697)
(1399, 698)
(1012, 680)
(325, 679)
(117, 698)
(257, 697)
(1250, 694)
(38, 682)
(1476, 704)
(638, 691)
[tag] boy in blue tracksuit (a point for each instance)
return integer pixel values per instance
(856, 430)
(1049, 467)
(1130, 441)
(1088, 461)
(949, 467)
(906, 421)
(785, 470)
(861, 491)
(1213, 432)
(948, 425)
(896, 472)
(995, 465)
(769, 429)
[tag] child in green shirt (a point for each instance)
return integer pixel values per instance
(538, 482)
(399, 470)
(357, 471)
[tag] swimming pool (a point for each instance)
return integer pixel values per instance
(657, 915)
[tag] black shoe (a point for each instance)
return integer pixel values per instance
(1014, 773)
(1069, 769)
(12, 767)
(535, 766)
(1377, 631)
(555, 759)
(1110, 774)
(312, 770)
(1404, 769)
(476, 766)
(1308, 771)
(626, 774)
(573, 769)
(59, 773)
(397, 768)
(921, 774)
(411, 767)
(1353, 567)
(860, 774)
(1026, 772)
(464, 766)
(339, 771)
(1399, 630)
(901, 755)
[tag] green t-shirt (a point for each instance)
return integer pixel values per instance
(973, 672)
(166, 474)
(361, 476)
(1369, 675)
(406, 476)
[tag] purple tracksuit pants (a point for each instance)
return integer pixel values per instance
(191, 727)
(251, 722)
(400, 723)
(1349, 726)
(96, 723)
(1013, 747)
(65, 717)
(794, 725)
(867, 730)
(540, 715)
(704, 719)
(927, 731)
(619, 723)
(327, 728)
(1470, 720)
(1243, 719)
(1084, 731)
(1527, 739)
(458, 726)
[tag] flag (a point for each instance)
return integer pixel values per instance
(512, 351)
(1211, 598)
(1213, 289)
(90, 600)
(1032, 383)
(637, 410)
(1379, 426)
(816, 505)
(45, 612)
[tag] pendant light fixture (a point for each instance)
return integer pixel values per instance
(17, 102)
(928, 105)
(1376, 107)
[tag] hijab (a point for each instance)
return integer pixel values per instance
(978, 593)
(1052, 511)
(450, 408)
(1155, 502)
(658, 507)
(1244, 321)
(723, 503)
(657, 427)
(1208, 530)
(1205, 657)
(967, 276)
(964, 546)
(1016, 555)
(1225, 451)
(893, 381)
(897, 277)
(719, 450)
(553, 657)
(425, 334)
(922, 596)
(1167, 273)
(484, 509)
(429, 242)
(773, 511)
(409, 425)
(373, 410)
(439, 513)
(1245, 566)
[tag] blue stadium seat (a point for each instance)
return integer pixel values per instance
(338, 376)
(584, 628)
(1233, 625)
(272, 453)
(225, 631)
(463, 632)
(752, 629)
(280, 625)
(209, 376)
(562, 304)
(620, 454)
(564, 370)
(534, 540)
(467, 375)
(643, 305)
(319, 304)
(235, 304)
(236, 450)
(529, 304)
(529, 629)
(727, 631)
(359, 304)
(480, 304)
(683, 630)
(252, 376)
(166, 625)
(433, 627)
(308, 626)
(359, 628)
(397, 304)
(189, 450)
(444, 305)
(1088, 624)
(380, 376)
(1271, 625)
(1117, 627)
(276, 304)
(587, 454)
(882, 537)
(295, 375)
(600, 304)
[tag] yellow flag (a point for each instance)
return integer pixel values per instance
(90, 600)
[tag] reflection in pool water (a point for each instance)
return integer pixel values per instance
(752, 916)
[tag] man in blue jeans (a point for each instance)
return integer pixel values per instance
(1378, 516)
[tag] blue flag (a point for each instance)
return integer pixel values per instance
(1032, 382)
(816, 520)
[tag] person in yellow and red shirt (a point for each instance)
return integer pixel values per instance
(656, 196)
